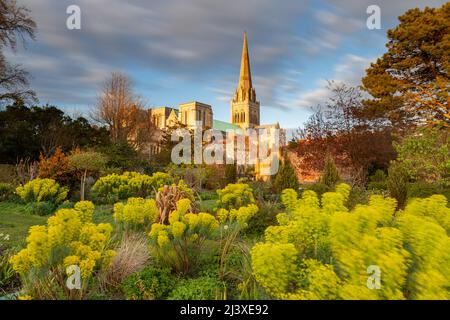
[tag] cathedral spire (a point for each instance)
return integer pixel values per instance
(245, 77)
(244, 106)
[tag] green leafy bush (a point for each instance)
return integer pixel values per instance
(330, 174)
(358, 195)
(152, 283)
(268, 210)
(43, 208)
(114, 187)
(42, 195)
(136, 213)
(230, 173)
(421, 190)
(40, 190)
(69, 238)
(6, 191)
(319, 188)
(263, 190)
(202, 288)
(179, 244)
(425, 155)
(377, 181)
(321, 250)
(207, 195)
(286, 178)
(235, 195)
(397, 183)
(8, 278)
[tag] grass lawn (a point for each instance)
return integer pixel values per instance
(207, 205)
(15, 222)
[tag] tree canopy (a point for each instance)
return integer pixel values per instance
(409, 84)
(29, 131)
(15, 24)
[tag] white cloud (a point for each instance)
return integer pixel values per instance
(349, 71)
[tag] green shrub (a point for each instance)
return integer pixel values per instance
(330, 174)
(113, 188)
(266, 217)
(446, 192)
(7, 173)
(9, 279)
(230, 173)
(322, 251)
(377, 186)
(357, 195)
(42, 196)
(397, 183)
(151, 283)
(425, 154)
(235, 195)
(43, 208)
(286, 178)
(421, 190)
(202, 288)
(136, 213)
(263, 190)
(41, 190)
(6, 191)
(377, 181)
(66, 205)
(206, 195)
(179, 244)
(319, 188)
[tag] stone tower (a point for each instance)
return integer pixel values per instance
(244, 106)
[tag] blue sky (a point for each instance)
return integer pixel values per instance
(179, 51)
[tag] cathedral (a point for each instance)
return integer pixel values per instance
(245, 110)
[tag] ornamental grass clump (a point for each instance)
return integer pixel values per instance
(132, 255)
(178, 244)
(168, 196)
(70, 238)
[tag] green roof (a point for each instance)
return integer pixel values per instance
(223, 126)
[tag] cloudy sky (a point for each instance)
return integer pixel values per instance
(185, 50)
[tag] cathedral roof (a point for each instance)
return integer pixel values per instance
(223, 126)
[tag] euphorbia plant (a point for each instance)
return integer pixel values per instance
(179, 243)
